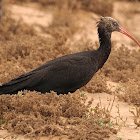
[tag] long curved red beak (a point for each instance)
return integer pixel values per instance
(123, 31)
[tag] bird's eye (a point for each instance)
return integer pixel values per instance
(115, 23)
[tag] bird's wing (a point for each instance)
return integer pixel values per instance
(66, 73)
(54, 74)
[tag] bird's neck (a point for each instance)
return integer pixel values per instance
(105, 40)
(105, 45)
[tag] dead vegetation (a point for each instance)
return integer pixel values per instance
(63, 25)
(123, 67)
(131, 92)
(9, 28)
(101, 7)
(97, 85)
(131, 0)
(136, 115)
(53, 114)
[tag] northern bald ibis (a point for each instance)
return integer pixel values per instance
(70, 72)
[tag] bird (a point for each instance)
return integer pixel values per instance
(70, 72)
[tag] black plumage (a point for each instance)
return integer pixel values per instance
(68, 73)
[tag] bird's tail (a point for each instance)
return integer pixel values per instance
(15, 85)
(7, 90)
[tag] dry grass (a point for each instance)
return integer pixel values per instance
(131, 92)
(130, 0)
(101, 7)
(123, 67)
(9, 28)
(63, 26)
(97, 84)
(136, 115)
(52, 114)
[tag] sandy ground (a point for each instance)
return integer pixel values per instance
(128, 130)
